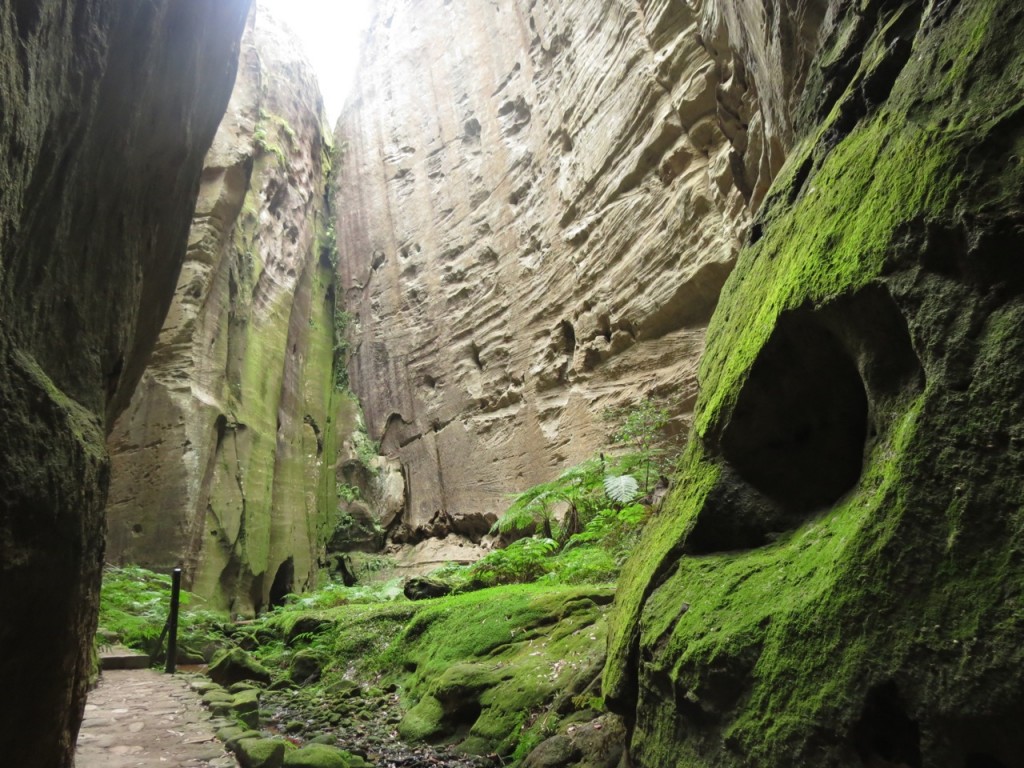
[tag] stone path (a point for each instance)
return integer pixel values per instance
(140, 718)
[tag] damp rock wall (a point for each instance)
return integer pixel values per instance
(835, 580)
(108, 109)
(224, 462)
(538, 204)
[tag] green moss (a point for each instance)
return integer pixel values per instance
(323, 756)
(424, 721)
(767, 656)
(484, 670)
(261, 753)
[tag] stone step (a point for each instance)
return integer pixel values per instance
(119, 657)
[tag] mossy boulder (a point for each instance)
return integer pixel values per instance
(424, 721)
(836, 577)
(423, 588)
(553, 752)
(485, 661)
(233, 734)
(235, 666)
(216, 696)
(304, 667)
(345, 689)
(261, 753)
(245, 708)
(323, 756)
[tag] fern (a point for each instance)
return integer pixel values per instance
(622, 488)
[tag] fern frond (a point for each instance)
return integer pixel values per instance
(621, 488)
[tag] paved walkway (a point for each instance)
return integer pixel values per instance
(142, 719)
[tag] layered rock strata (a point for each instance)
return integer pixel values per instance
(836, 580)
(224, 462)
(108, 109)
(539, 203)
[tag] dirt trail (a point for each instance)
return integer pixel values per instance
(141, 718)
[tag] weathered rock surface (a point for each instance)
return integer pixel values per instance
(538, 205)
(837, 578)
(224, 461)
(108, 109)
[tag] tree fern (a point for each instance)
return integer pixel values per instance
(621, 488)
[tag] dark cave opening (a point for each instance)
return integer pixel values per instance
(461, 711)
(568, 339)
(824, 388)
(980, 760)
(798, 430)
(886, 731)
(283, 582)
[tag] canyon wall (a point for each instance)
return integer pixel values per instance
(224, 462)
(836, 579)
(538, 203)
(108, 109)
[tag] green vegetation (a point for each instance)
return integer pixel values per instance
(494, 670)
(134, 605)
(270, 129)
(641, 428)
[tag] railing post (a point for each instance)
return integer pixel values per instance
(172, 622)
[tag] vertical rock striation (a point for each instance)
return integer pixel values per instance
(836, 580)
(224, 461)
(538, 205)
(108, 109)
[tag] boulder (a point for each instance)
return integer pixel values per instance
(552, 753)
(323, 756)
(245, 708)
(234, 666)
(422, 588)
(305, 667)
(261, 753)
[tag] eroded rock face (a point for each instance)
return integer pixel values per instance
(108, 109)
(538, 205)
(836, 580)
(224, 461)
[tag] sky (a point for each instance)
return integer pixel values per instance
(330, 32)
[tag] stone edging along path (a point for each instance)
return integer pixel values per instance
(141, 718)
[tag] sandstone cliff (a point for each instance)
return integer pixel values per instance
(837, 578)
(108, 109)
(538, 205)
(224, 461)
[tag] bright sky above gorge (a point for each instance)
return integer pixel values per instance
(330, 32)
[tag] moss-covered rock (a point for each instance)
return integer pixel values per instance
(304, 666)
(261, 753)
(234, 666)
(488, 672)
(323, 756)
(836, 580)
(245, 707)
(423, 721)
(489, 665)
